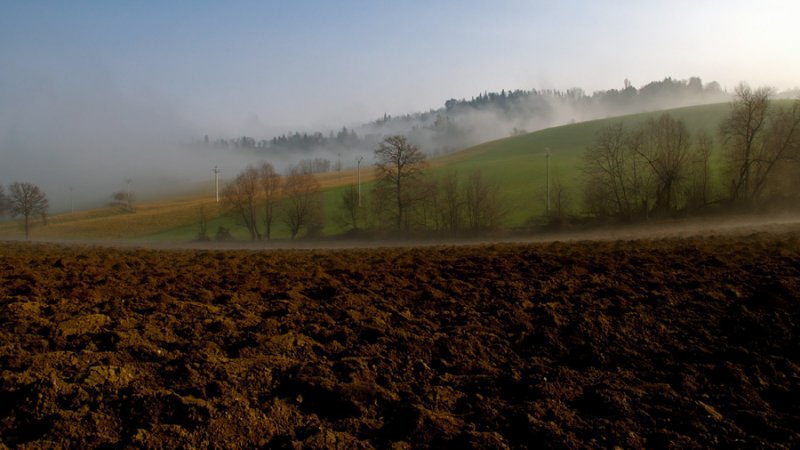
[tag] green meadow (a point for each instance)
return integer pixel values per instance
(518, 165)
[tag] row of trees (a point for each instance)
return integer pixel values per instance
(253, 197)
(761, 145)
(404, 198)
(627, 99)
(660, 167)
(344, 139)
(26, 200)
(655, 168)
(460, 123)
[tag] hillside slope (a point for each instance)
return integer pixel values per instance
(518, 164)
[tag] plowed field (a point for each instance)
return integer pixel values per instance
(691, 342)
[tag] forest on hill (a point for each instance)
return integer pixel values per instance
(736, 156)
(462, 123)
(631, 169)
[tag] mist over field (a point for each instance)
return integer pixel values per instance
(463, 123)
(81, 145)
(94, 94)
(612, 261)
(84, 141)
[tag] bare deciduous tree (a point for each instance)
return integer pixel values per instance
(613, 173)
(640, 181)
(780, 147)
(758, 138)
(785, 182)
(124, 200)
(27, 200)
(202, 232)
(423, 213)
(270, 188)
(559, 212)
(352, 215)
(627, 172)
(399, 166)
(315, 165)
(303, 202)
(240, 196)
(598, 197)
(450, 203)
(665, 148)
(698, 189)
(741, 134)
(482, 203)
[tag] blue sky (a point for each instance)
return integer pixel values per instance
(229, 66)
(105, 86)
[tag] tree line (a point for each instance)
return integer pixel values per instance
(293, 142)
(627, 99)
(658, 168)
(405, 198)
(458, 123)
(661, 168)
(253, 197)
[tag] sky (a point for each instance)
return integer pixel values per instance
(89, 81)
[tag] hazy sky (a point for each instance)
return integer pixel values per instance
(75, 75)
(222, 66)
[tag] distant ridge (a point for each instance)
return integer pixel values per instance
(462, 123)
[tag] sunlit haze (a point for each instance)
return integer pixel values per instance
(89, 81)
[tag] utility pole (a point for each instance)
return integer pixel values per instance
(216, 182)
(547, 156)
(358, 171)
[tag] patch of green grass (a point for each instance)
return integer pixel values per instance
(517, 164)
(331, 199)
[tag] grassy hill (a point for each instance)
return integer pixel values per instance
(517, 164)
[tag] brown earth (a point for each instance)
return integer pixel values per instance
(682, 342)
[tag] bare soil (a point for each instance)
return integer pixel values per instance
(679, 342)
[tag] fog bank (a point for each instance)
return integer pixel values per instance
(81, 141)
